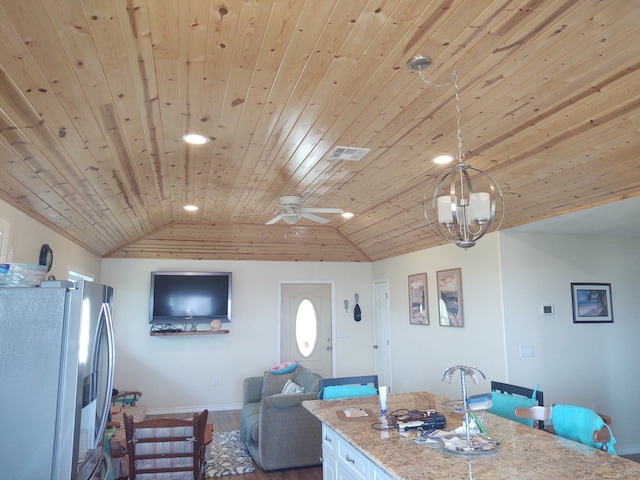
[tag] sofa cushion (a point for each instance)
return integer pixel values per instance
(273, 384)
(255, 432)
(249, 417)
(307, 379)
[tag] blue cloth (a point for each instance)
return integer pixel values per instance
(348, 391)
(504, 405)
(578, 424)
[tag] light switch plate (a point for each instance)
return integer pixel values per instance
(527, 351)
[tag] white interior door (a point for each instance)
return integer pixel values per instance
(381, 333)
(306, 326)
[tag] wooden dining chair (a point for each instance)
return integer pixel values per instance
(539, 413)
(166, 445)
(575, 423)
(506, 397)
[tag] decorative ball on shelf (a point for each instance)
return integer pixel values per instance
(215, 325)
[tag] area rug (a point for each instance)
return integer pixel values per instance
(229, 456)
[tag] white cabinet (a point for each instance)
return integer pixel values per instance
(342, 461)
(329, 447)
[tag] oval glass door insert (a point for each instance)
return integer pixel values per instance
(306, 328)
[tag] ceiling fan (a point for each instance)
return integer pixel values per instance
(290, 210)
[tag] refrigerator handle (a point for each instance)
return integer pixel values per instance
(107, 463)
(106, 315)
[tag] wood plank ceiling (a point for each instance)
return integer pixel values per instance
(95, 96)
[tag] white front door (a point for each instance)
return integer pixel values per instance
(305, 326)
(381, 333)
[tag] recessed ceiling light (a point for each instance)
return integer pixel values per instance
(190, 208)
(442, 159)
(347, 215)
(195, 139)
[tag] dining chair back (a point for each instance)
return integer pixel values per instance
(166, 445)
(537, 412)
(507, 397)
(342, 387)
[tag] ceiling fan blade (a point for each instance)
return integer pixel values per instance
(315, 218)
(274, 220)
(322, 210)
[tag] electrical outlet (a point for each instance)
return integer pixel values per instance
(216, 382)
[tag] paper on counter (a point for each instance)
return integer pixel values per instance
(355, 412)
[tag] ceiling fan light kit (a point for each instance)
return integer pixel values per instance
(460, 204)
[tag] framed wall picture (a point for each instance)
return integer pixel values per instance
(450, 297)
(592, 303)
(418, 311)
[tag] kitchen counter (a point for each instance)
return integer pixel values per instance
(525, 453)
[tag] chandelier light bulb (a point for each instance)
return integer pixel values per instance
(444, 210)
(479, 207)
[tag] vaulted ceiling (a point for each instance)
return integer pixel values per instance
(95, 96)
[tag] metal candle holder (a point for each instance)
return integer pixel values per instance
(464, 372)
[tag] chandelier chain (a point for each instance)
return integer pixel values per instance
(458, 122)
(454, 76)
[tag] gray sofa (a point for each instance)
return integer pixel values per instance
(277, 430)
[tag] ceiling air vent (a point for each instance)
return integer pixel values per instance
(348, 153)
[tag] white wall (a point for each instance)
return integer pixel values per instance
(26, 237)
(176, 373)
(421, 353)
(593, 365)
(506, 278)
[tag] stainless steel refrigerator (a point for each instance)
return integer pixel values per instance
(56, 379)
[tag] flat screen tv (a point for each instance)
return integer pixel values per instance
(190, 297)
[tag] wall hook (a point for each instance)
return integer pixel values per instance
(346, 306)
(357, 314)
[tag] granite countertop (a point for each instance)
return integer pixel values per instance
(525, 453)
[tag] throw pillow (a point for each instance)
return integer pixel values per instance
(284, 367)
(273, 384)
(347, 391)
(504, 405)
(292, 387)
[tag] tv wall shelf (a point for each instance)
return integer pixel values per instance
(197, 332)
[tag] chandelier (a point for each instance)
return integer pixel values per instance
(460, 204)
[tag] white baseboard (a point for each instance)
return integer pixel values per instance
(172, 410)
(627, 450)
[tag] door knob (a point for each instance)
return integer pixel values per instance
(328, 347)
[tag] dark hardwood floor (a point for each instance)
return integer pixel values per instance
(229, 420)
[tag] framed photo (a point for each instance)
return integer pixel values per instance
(592, 303)
(450, 297)
(418, 311)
